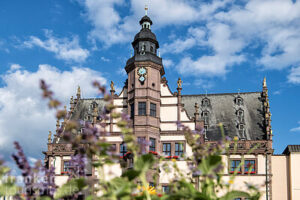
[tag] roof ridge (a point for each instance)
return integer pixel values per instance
(212, 94)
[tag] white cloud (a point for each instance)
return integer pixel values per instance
(168, 63)
(294, 76)
(110, 28)
(104, 59)
(219, 39)
(297, 129)
(63, 48)
(24, 115)
(225, 33)
(274, 23)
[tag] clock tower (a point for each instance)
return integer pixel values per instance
(144, 71)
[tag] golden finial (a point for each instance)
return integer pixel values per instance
(265, 82)
(179, 83)
(49, 137)
(57, 124)
(112, 86)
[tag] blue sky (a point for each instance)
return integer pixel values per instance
(217, 46)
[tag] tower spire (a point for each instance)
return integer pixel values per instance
(146, 9)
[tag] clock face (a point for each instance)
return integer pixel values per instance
(142, 71)
(142, 79)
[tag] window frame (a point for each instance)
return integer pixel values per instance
(236, 166)
(142, 110)
(152, 146)
(123, 149)
(167, 151)
(179, 152)
(63, 169)
(254, 166)
(153, 111)
(242, 168)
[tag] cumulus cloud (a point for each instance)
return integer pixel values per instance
(274, 23)
(297, 129)
(219, 39)
(109, 27)
(24, 115)
(63, 48)
(294, 76)
(168, 63)
(220, 30)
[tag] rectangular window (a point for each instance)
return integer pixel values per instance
(178, 149)
(67, 167)
(166, 189)
(123, 149)
(167, 149)
(249, 167)
(142, 108)
(235, 164)
(152, 109)
(132, 111)
(142, 143)
(152, 144)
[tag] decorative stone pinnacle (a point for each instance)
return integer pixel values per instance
(49, 137)
(57, 125)
(196, 108)
(78, 92)
(71, 100)
(179, 83)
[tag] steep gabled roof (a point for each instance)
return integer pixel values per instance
(291, 148)
(223, 109)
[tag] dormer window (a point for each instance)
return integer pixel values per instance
(206, 102)
(239, 101)
(205, 115)
(241, 127)
(240, 113)
(205, 128)
(94, 105)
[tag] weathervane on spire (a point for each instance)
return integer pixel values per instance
(146, 9)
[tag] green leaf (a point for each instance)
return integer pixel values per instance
(131, 174)
(71, 187)
(235, 194)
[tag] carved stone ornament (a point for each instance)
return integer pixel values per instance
(62, 148)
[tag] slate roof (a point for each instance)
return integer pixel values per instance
(83, 111)
(84, 108)
(146, 19)
(223, 109)
(145, 34)
(291, 148)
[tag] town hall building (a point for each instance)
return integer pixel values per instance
(155, 110)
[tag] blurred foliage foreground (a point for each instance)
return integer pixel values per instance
(204, 180)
